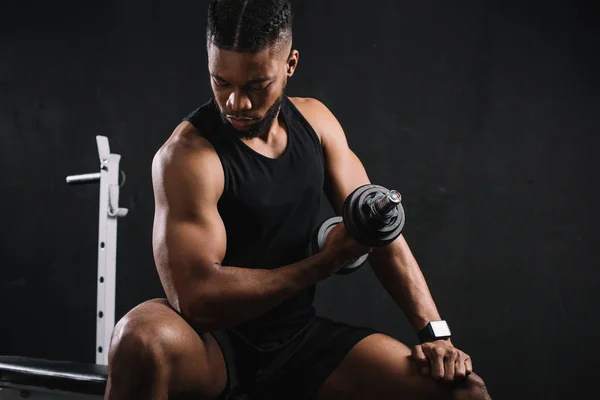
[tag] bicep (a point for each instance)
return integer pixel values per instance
(189, 238)
(187, 253)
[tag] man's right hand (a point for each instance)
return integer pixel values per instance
(343, 248)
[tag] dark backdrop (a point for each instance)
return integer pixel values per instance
(483, 114)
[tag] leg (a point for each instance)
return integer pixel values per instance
(380, 367)
(155, 354)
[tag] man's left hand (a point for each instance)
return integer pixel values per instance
(442, 361)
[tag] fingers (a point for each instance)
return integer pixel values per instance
(421, 360)
(444, 362)
(460, 367)
(468, 365)
(436, 360)
(449, 362)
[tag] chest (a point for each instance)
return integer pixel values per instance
(273, 149)
(264, 192)
(276, 189)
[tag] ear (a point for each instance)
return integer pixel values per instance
(292, 62)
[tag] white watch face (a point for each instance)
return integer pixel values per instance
(440, 328)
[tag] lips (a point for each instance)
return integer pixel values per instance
(241, 123)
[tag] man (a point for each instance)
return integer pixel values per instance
(237, 190)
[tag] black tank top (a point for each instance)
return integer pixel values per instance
(270, 209)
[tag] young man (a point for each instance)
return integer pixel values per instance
(237, 189)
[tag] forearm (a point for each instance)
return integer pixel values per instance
(233, 295)
(399, 273)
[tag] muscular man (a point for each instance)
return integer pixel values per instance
(237, 189)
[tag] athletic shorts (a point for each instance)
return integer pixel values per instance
(292, 370)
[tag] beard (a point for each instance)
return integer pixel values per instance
(261, 128)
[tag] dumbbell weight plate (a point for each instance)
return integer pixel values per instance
(353, 266)
(352, 221)
(367, 232)
(319, 242)
(382, 234)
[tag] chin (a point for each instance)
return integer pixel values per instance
(248, 128)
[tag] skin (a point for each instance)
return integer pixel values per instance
(156, 340)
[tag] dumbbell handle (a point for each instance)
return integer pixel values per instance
(374, 215)
(386, 204)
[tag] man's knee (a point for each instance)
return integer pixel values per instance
(152, 343)
(472, 388)
(140, 340)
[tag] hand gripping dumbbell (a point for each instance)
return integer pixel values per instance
(373, 216)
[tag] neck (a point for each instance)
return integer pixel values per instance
(274, 130)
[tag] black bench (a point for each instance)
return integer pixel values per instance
(64, 379)
(23, 377)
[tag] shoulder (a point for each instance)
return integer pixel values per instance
(187, 160)
(318, 115)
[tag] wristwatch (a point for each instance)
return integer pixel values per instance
(435, 330)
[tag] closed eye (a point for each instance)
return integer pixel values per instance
(259, 88)
(255, 85)
(220, 82)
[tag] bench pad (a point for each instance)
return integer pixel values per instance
(54, 375)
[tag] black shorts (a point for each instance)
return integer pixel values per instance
(295, 369)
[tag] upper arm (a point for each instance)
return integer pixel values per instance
(189, 239)
(344, 172)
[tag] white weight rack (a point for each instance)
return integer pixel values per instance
(56, 379)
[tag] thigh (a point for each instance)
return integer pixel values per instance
(380, 367)
(297, 369)
(153, 335)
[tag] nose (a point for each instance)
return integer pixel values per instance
(238, 101)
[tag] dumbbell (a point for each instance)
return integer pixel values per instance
(373, 216)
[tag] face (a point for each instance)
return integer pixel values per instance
(249, 87)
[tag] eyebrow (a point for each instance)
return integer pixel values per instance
(258, 79)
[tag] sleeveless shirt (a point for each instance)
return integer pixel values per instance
(269, 207)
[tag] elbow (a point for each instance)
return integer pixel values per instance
(199, 305)
(196, 311)
(198, 315)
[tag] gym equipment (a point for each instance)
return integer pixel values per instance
(22, 377)
(318, 243)
(107, 242)
(372, 214)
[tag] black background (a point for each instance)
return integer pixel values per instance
(483, 114)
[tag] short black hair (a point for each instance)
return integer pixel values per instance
(249, 25)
